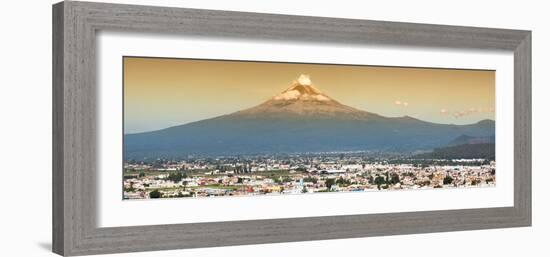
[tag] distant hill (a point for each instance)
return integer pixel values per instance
(299, 119)
(465, 151)
(465, 139)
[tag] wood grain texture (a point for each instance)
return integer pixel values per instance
(522, 128)
(75, 25)
(57, 131)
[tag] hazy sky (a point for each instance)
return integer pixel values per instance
(160, 93)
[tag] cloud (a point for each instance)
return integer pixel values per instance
(401, 103)
(459, 114)
(467, 112)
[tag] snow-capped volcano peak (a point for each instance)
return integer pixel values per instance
(302, 89)
(304, 100)
(304, 80)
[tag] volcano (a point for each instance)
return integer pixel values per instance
(303, 100)
(299, 119)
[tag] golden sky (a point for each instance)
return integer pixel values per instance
(160, 92)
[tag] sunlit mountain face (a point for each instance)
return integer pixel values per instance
(303, 98)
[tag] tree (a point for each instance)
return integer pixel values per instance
(329, 182)
(342, 182)
(310, 179)
(448, 180)
(301, 169)
(155, 194)
(141, 174)
(176, 176)
(379, 181)
(394, 178)
(304, 190)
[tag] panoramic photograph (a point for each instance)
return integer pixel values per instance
(219, 128)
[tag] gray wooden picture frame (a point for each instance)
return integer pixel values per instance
(75, 25)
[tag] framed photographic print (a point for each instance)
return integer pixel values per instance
(247, 128)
